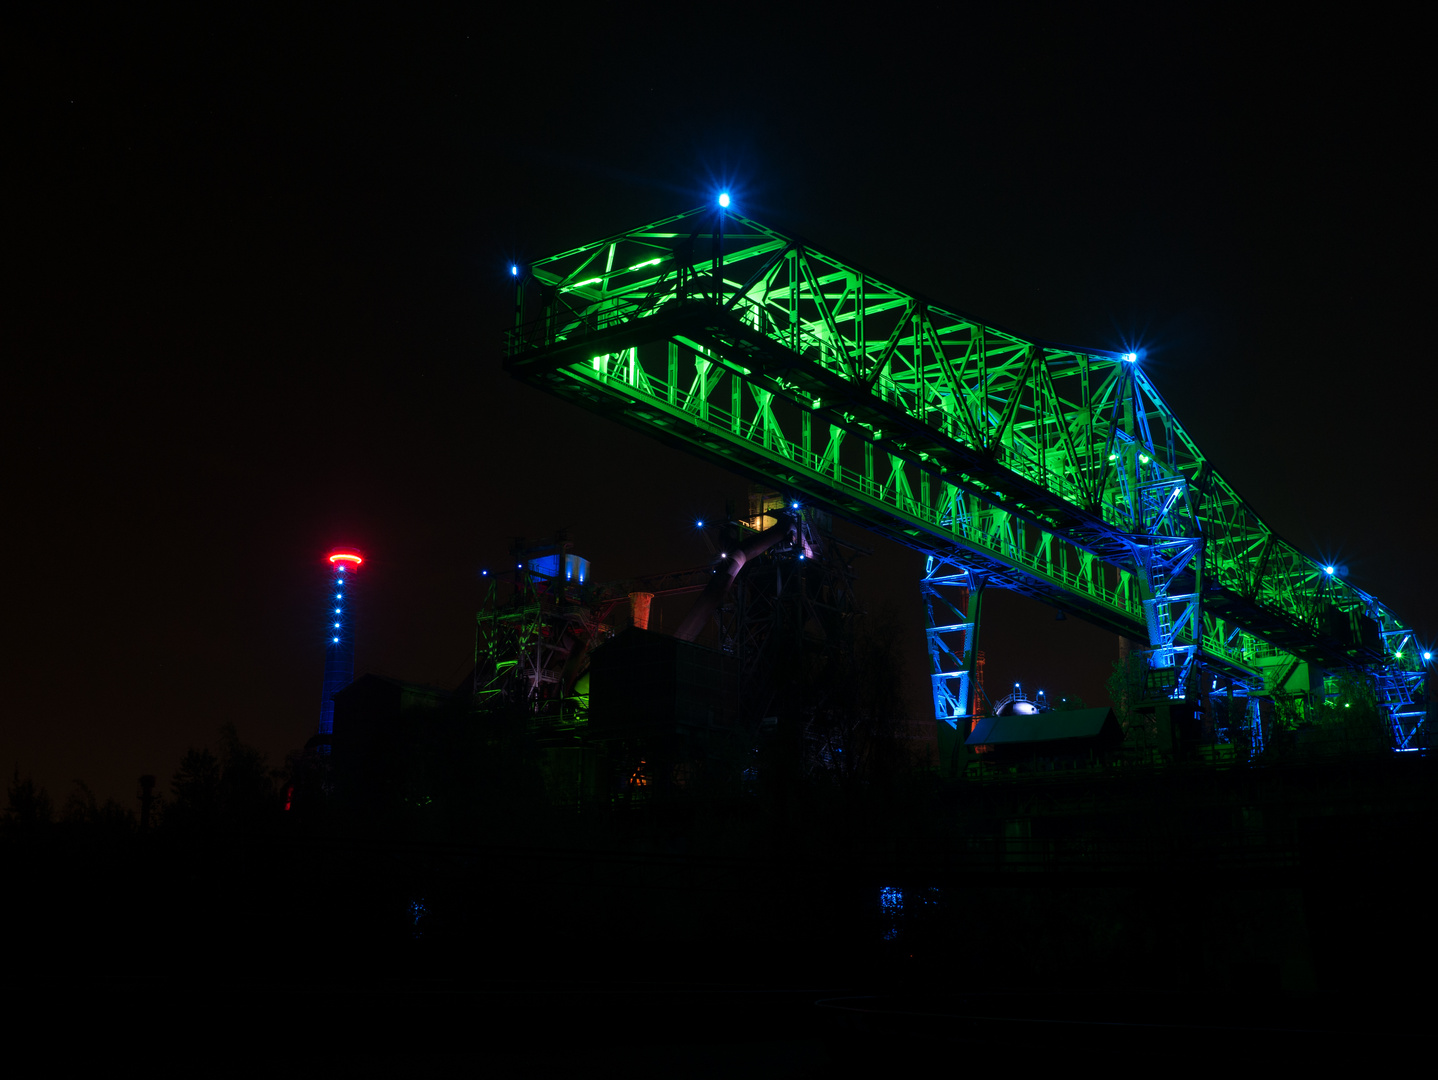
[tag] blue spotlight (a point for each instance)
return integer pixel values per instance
(699, 524)
(513, 270)
(724, 198)
(1130, 357)
(1329, 570)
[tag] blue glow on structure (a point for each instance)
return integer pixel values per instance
(891, 906)
(339, 656)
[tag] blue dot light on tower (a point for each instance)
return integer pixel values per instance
(343, 563)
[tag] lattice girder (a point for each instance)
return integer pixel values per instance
(1022, 459)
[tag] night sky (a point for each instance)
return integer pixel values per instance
(257, 284)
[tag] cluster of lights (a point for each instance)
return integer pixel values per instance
(339, 584)
(339, 560)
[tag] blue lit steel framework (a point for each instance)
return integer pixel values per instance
(1052, 471)
(1403, 692)
(953, 604)
(338, 636)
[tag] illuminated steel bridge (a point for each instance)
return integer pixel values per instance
(1057, 472)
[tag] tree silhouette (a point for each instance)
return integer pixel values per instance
(231, 790)
(28, 809)
(1125, 691)
(83, 811)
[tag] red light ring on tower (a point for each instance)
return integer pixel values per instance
(353, 558)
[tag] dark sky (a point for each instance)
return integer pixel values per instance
(257, 287)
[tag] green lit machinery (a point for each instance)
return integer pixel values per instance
(1057, 472)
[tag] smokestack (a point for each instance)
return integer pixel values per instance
(342, 565)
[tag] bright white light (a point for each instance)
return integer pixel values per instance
(1428, 656)
(723, 198)
(793, 506)
(337, 626)
(1130, 357)
(336, 639)
(699, 524)
(513, 271)
(1328, 570)
(337, 611)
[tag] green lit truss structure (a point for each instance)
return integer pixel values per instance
(1056, 472)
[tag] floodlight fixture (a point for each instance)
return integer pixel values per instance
(724, 199)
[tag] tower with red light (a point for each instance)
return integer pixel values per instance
(341, 565)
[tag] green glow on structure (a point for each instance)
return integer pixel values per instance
(762, 354)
